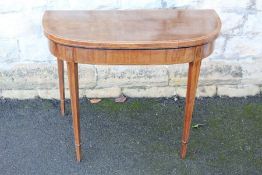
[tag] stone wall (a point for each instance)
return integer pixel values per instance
(27, 69)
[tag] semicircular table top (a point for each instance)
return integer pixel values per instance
(132, 29)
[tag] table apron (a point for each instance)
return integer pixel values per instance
(130, 56)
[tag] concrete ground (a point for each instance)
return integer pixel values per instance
(140, 136)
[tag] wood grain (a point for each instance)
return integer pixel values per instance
(192, 81)
(132, 29)
(60, 65)
(128, 56)
(74, 94)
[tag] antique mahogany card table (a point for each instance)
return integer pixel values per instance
(130, 37)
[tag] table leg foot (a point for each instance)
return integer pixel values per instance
(183, 150)
(62, 107)
(78, 153)
(60, 65)
(193, 74)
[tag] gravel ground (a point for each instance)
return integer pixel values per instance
(140, 136)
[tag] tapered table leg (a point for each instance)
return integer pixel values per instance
(192, 81)
(60, 65)
(74, 93)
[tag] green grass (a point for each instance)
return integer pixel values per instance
(229, 140)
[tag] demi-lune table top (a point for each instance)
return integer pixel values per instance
(132, 29)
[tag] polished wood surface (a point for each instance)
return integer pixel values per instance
(132, 29)
(128, 56)
(133, 37)
(192, 80)
(72, 69)
(60, 67)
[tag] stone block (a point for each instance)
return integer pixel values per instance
(28, 77)
(177, 74)
(181, 3)
(224, 5)
(238, 90)
(42, 76)
(259, 5)
(13, 25)
(221, 70)
(54, 93)
(206, 91)
(91, 5)
(219, 49)
(131, 76)
(211, 73)
(20, 94)
(9, 51)
(243, 46)
(87, 76)
(51, 93)
(58, 5)
(10, 6)
(202, 91)
(34, 49)
(19, 5)
(22, 24)
(229, 27)
(151, 92)
(181, 91)
(138, 4)
(253, 24)
(111, 92)
(252, 71)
